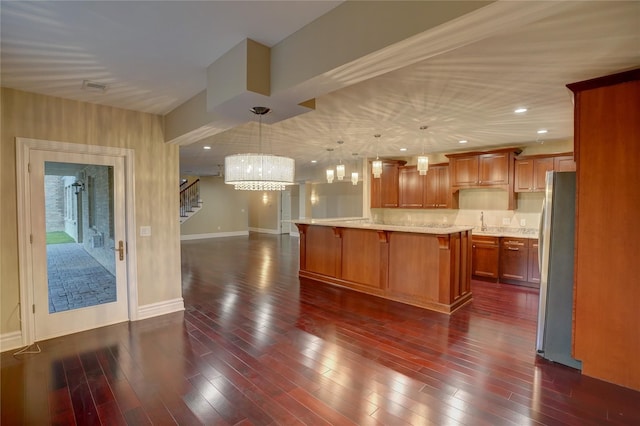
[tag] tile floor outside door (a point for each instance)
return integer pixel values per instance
(77, 280)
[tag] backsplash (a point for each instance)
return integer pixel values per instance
(508, 221)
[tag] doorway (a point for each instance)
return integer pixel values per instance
(72, 209)
(285, 212)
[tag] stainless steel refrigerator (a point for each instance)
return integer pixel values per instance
(556, 256)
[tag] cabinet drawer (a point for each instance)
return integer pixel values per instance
(485, 239)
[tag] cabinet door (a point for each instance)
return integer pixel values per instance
(540, 168)
(431, 188)
(484, 258)
(523, 176)
(389, 185)
(514, 259)
(564, 164)
(443, 192)
(376, 194)
(411, 187)
(493, 169)
(464, 171)
(534, 268)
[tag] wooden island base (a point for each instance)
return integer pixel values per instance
(430, 270)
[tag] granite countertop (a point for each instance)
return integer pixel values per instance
(437, 229)
(429, 228)
(500, 231)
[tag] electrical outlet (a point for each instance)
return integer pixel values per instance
(145, 231)
(523, 222)
(506, 220)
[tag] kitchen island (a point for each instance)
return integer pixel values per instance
(425, 266)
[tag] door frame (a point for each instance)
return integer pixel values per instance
(23, 148)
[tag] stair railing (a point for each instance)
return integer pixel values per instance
(189, 198)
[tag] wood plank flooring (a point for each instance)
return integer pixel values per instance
(257, 347)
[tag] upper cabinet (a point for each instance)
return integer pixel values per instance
(411, 187)
(385, 189)
(480, 169)
(530, 172)
(491, 169)
(436, 187)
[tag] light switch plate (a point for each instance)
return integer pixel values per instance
(523, 222)
(145, 231)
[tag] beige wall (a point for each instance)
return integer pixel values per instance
(223, 209)
(337, 199)
(156, 195)
(263, 212)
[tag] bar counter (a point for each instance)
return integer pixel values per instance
(425, 266)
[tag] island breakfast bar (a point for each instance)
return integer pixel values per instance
(424, 266)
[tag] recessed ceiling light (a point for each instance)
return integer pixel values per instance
(463, 141)
(542, 131)
(206, 147)
(403, 149)
(520, 110)
(314, 161)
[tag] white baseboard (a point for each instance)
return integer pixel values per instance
(9, 341)
(265, 231)
(160, 308)
(213, 235)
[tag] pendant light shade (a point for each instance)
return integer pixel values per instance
(376, 165)
(354, 178)
(423, 165)
(340, 171)
(330, 175)
(259, 172)
(376, 168)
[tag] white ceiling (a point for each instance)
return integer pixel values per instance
(154, 55)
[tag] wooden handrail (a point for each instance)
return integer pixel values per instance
(189, 198)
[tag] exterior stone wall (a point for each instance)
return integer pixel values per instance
(54, 203)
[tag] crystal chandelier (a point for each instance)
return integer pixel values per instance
(330, 173)
(354, 175)
(259, 172)
(376, 165)
(340, 169)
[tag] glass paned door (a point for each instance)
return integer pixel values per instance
(78, 249)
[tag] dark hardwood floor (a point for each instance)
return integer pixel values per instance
(256, 346)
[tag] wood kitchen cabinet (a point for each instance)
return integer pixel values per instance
(411, 187)
(530, 172)
(514, 259)
(564, 164)
(606, 290)
(436, 187)
(490, 169)
(385, 189)
(485, 252)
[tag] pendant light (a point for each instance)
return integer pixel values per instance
(354, 175)
(330, 173)
(259, 172)
(423, 160)
(340, 169)
(376, 165)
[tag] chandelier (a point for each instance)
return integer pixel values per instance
(423, 160)
(376, 165)
(258, 172)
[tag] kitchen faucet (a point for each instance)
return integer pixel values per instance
(483, 226)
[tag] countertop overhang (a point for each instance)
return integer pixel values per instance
(365, 224)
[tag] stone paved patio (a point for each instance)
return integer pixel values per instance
(76, 280)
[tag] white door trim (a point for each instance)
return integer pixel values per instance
(23, 146)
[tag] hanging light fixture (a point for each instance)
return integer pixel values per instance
(354, 174)
(259, 172)
(340, 169)
(330, 173)
(423, 160)
(376, 165)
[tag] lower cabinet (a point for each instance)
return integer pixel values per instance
(514, 259)
(485, 252)
(506, 259)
